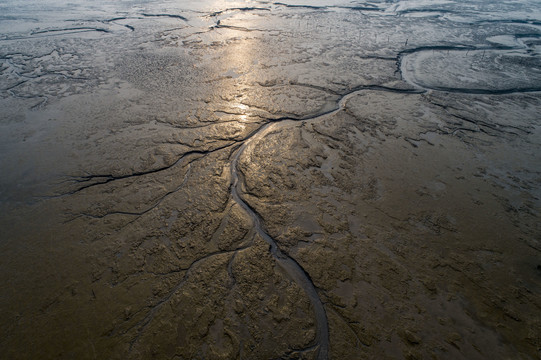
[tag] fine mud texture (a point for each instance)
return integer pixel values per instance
(229, 179)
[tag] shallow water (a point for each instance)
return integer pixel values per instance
(252, 179)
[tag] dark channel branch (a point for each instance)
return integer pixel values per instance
(101, 179)
(367, 7)
(508, 21)
(173, 16)
(76, 29)
(401, 54)
(360, 343)
(245, 243)
(343, 96)
(296, 353)
(153, 309)
(425, 10)
(92, 180)
(138, 214)
(294, 6)
(242, 9)
(346, 95)
(56, 32)
(467, 49)
(114, 21)
(219, 25)
(311, 86)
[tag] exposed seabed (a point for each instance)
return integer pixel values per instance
(263, 180)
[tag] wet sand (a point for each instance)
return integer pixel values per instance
(257, 180)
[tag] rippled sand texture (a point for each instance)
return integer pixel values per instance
(258, 180)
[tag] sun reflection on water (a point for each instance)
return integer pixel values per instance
(243, 116)
(237, 57)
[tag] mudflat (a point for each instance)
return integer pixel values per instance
(270, 180)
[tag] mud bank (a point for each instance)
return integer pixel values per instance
(260, 180)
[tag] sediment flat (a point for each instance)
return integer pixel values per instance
(270, 180)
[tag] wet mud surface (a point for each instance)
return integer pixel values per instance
(265, 180)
